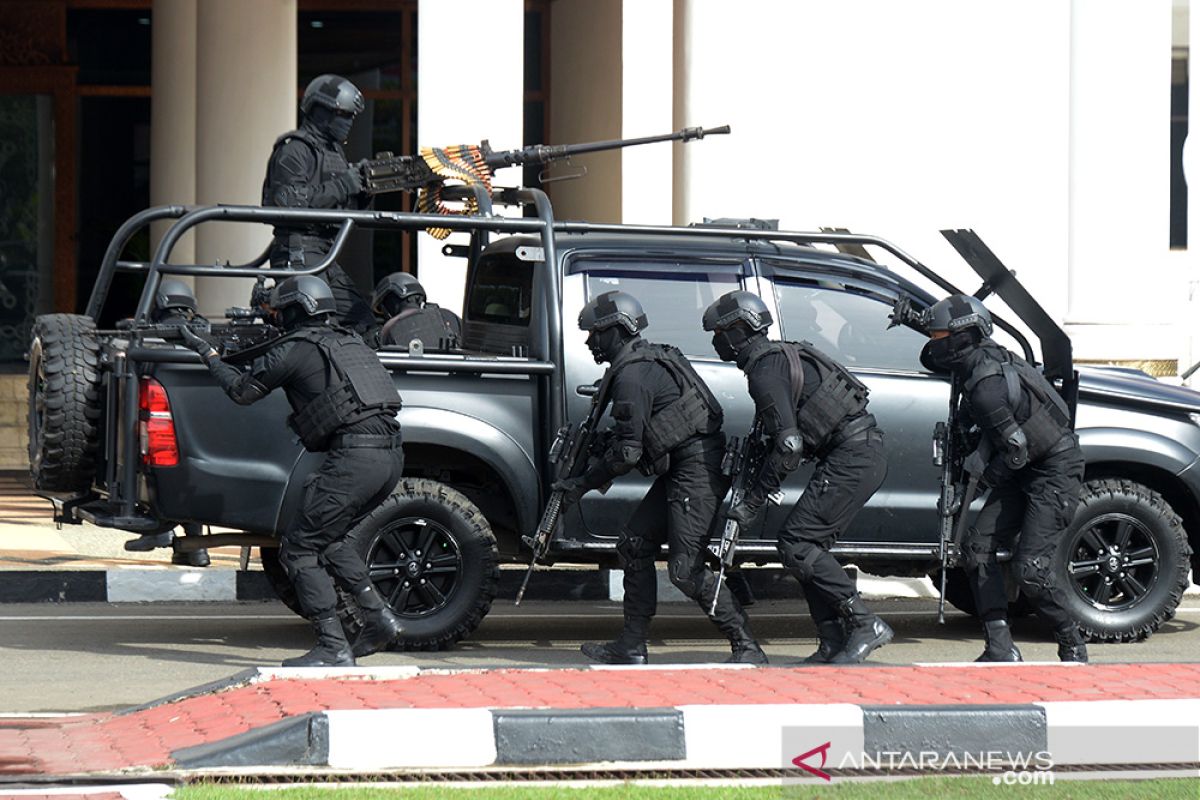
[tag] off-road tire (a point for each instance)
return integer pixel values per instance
(64, 402)
(1158, 554)
(461, 577)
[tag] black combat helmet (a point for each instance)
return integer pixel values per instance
(967, 322)
(394, 291)
(611, 319)
(735, 319)
(301, 297)
(959, 312)
(333, 92)
(738, 306)
(174, 294)
(613, 308)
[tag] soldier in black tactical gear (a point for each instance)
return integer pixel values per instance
(308, 169)
(344, 404)
(399, 304)
(666, 423)
(811, 408)
(175, 306)
(1030, 458)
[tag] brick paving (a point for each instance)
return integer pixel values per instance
(145, 738)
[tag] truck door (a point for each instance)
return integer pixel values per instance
(846, 317)
(674, 293)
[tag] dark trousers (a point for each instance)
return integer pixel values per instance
(679, 509)
(348, 486)
(842, 483)
(352, 308)
(1028, 514)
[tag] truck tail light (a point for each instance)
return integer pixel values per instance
(155, 426)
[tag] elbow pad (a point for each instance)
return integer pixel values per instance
(1016, 445)
(789, 449)
(249, 391)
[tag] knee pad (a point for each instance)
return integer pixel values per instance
(1034, 575)
(799, 558)
(686, 574)
(978, 551)
(635, 553)
(296, 560)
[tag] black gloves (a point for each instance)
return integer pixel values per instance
(200, 344)
(573, 489)
(350, 181)
(743, 513)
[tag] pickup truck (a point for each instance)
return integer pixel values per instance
(128, 431)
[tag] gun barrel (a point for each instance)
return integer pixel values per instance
(542, 154)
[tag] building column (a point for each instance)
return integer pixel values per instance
(586, 103)
(173, 114)
(450, 112)
(246, 96)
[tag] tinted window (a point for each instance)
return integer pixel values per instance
(849, 326)
(501, 290)
(674, 299)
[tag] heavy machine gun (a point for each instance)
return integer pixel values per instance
(476, 163)
(569, 454)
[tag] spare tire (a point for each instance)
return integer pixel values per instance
(64, 402)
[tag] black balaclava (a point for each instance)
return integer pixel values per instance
(333, 126)
(941, 355)
(729, 342)
(606, 343)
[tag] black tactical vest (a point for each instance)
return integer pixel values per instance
(330, 161)
(694, 412)
(820, 409)
(1048, 418)
(359, 387)
(426, 324)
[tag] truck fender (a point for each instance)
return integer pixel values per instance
(444, 428)
(1141, 447)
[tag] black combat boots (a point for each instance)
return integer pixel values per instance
(380, 626)
(831, 640)
(865, 631)
(745, 650)
(999, 642)
(1070, 644)
(332, 649)
(628, 648)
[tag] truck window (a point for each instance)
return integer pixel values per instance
(848, 325)
(674, 299)
(501, 291)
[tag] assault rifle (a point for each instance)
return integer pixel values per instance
(391, 173)
(949, 440)
(569, 454)
(743, 462)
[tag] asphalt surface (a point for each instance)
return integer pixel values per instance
(91, 657)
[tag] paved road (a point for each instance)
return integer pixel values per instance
(88, 657)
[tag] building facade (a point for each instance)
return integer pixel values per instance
(1055, 129)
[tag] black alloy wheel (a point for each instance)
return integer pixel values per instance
(415, 563)
(1113, 562)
